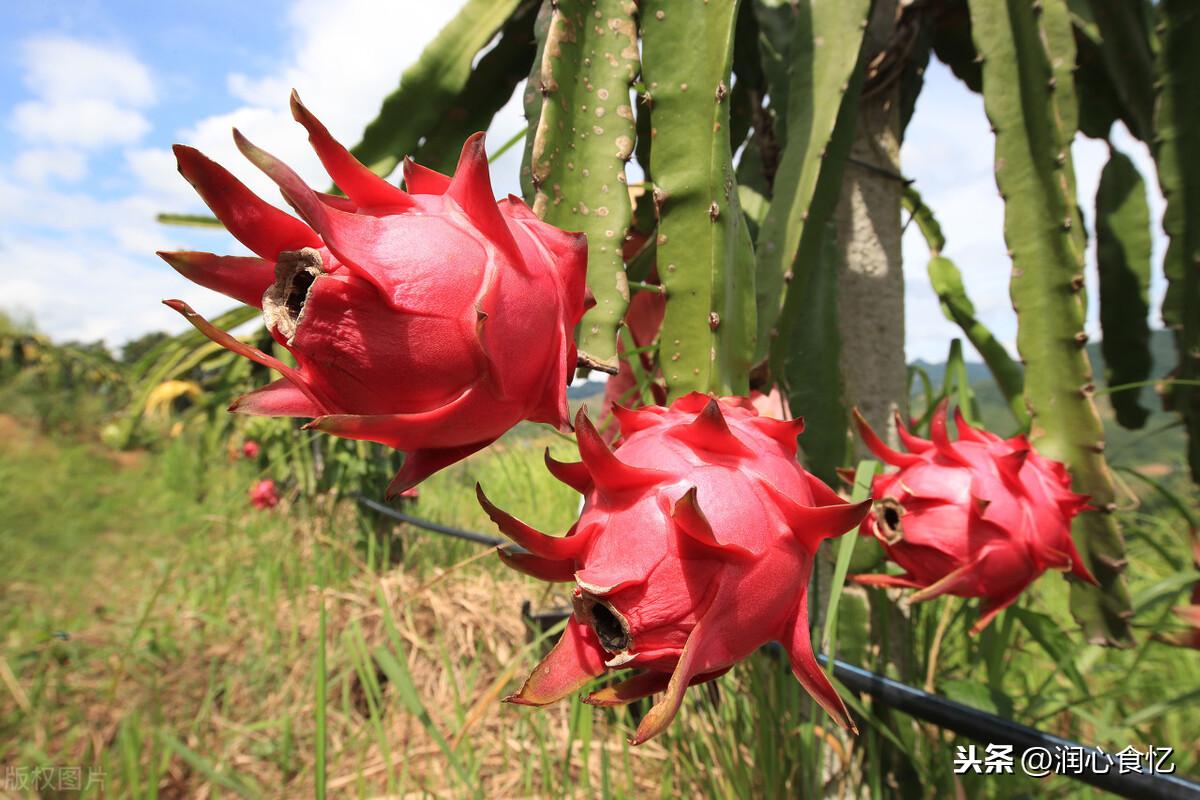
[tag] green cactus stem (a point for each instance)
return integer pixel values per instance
(584, 135)
(826, 41)
(430, 86)
(532, 100)
(486, 91)
(1125, 48)
(705, 257)
(1028, 96)
(1123, 259)
(811, 374)
(1177, 152)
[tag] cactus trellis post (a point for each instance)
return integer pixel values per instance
(870, 284)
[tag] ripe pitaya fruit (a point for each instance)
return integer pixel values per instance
(431, 320)
(694, 547)
(263, 494)
(978, 517)
(250, 449)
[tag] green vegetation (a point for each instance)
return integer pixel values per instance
(156, 627)
(160, 630)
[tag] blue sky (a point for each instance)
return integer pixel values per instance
(94, 93)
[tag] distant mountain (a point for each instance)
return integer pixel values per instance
(1157, 442)
(585, 391)
(975, 371)
(1162, 350)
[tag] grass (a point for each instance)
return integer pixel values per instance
(156, 628)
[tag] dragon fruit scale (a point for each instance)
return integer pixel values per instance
(977, 517)
(430, 320)
(694, 547)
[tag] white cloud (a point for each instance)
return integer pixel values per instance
(948, 151)
(157, 174)
(84, 123)
(343, 59)
(86, 94)
(77, 293)
(60, 68)
(37, 166)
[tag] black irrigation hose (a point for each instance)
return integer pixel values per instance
(445, 530)
(991, 729)
(962, 719)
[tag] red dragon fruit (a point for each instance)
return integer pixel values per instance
(978, 517)
(250, 449)
(694, 547)
(263, 494)
(430, 320)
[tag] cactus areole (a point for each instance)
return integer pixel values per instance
(977, 517)
(694, 547)
(430, 320)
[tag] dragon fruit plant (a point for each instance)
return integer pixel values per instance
(430, 320)
(694, 547)
(977, 517)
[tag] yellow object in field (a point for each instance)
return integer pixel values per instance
(163, 398)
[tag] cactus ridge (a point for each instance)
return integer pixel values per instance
(1029, 99)
(1177, 132)
(582, 124)
(824, 52)
(707, 337)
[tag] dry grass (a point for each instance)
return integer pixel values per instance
(187, 666)
(232, 689)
